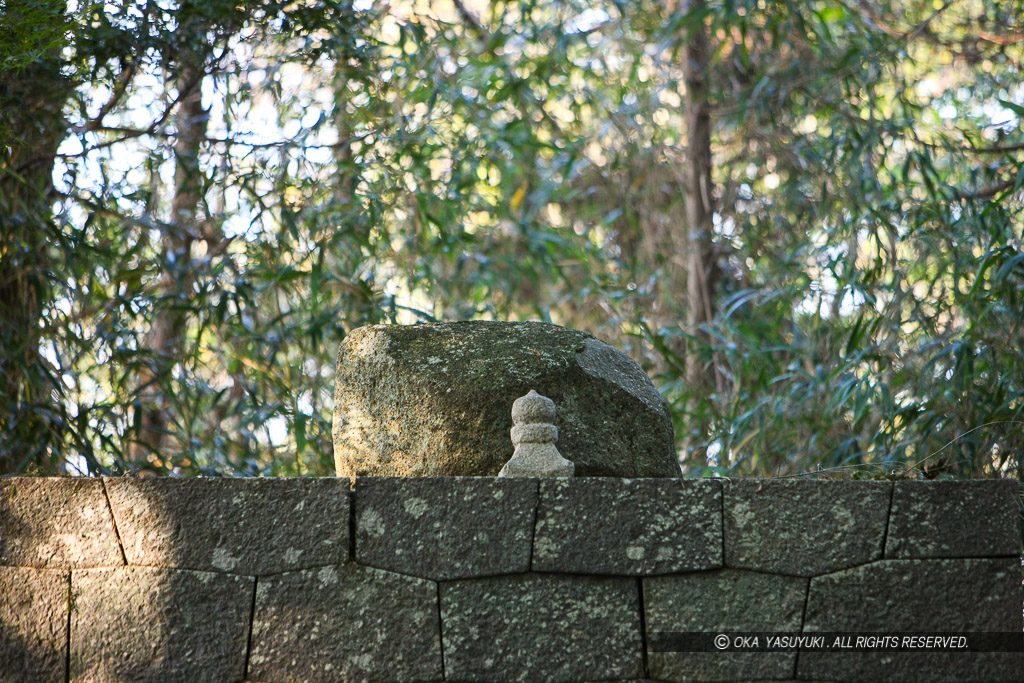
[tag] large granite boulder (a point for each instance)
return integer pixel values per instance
(435, 400)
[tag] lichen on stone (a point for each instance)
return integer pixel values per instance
(434, 400)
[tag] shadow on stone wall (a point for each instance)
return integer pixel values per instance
(157, 577)
(482, 578)
(33, 623)
(182, 609)
(47, 527)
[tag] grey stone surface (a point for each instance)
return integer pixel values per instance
(916, 595)
(341, 621)
(541, 627)
(628, 526)
(937, 667)
(345, 623)
(147, 624)
(968, 594)
(803, 527)
(242, 526)
(722, 600)
(56, 522)
(534, 436)
(954, 519)
(434, 399)
(33, 624)
(445, 527)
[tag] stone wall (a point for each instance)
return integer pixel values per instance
(464, 579)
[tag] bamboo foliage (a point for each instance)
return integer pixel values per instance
(803, 218)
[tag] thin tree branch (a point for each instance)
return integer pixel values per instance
(1006, 39)
(986, 192)
(470, 19)
(127, 74)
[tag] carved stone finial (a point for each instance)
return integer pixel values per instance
(534, 437)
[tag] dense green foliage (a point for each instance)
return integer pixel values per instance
(237, 186)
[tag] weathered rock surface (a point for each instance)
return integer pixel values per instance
(971, 595)
(599, 547)
(445, 528)
(953, 519)
(56, 522)
(803, 527)
(147, 624)
(345, 623)
(435, 400)
(941, 595)
(641, 526)
(724, 600)
(33, 624)
(243, 526)
(541, 627)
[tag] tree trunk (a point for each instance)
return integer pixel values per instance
(701, 269)
(165, 341)
(32, 97)
(344, 188)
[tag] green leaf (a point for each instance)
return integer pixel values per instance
(1014, 107)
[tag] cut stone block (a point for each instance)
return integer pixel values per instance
(242, 526)
(345, 623)
(541, 627)
(623, 526)
(148, 624)
(954, 519)
(802, 527)
(723, 600)
(970, 595)
(33, 624)
(59, 522)
(445, 527)
(435, 400)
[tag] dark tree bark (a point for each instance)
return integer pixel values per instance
(701, 269)
(33, 93)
